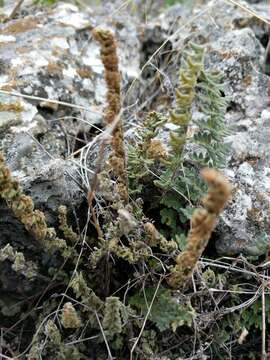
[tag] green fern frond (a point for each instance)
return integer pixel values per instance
(139, 158)
(191, 67)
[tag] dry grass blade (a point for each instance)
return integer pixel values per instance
(15, 10)
(38, 98)
(145, 319)
(249, 11)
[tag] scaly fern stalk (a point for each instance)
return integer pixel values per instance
(202, 224)
(112, 76)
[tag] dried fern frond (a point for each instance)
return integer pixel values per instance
(155, 238)
(112, 76)
(202, 224)
(19, 264)
(69, 234)
(69, 317)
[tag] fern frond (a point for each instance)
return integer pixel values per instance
(146, 151)
(202, 224)
(192, 65)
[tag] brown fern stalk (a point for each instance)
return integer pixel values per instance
(202, 225)
(112, 77)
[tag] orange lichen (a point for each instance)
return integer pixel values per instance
(54, 68)
(84, 72)
(23, 49)
(14, 107)
(20, 25)
(202, 224)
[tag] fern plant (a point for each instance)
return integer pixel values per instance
(166, 312)
(195, 143)
(145, 152)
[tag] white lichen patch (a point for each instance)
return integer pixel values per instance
(26, 118)
(246, 174)
(7, 39)
(17, 61)
(60, 42)
(92, 59)
(37, 59)
(69, 15)
(3, 80)
(70, 72)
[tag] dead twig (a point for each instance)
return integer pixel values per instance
(14, 11)
(145, 319)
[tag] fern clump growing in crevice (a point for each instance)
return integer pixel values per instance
(195, 142)
(112, 296)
